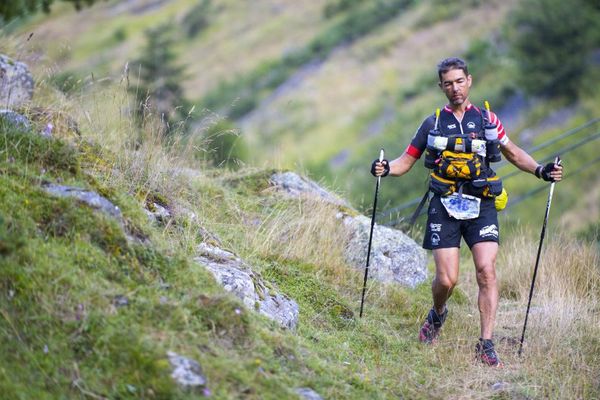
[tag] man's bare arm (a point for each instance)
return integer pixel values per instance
(522, 160)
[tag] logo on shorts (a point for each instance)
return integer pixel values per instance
(435, 227)
(489, 230)
(435, 239)
(471, 125)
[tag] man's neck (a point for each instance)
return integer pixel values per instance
(459, 109)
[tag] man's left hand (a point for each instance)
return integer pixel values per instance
(551, 172)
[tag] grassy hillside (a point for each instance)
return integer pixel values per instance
(321, 86)
(90, 308)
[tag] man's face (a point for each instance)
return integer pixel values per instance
(455, 85)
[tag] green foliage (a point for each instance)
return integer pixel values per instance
(18, 8)
(226, 147)
(67, 82)
(158, 91)
(11, 237)
(552, 41)
(335, 7)
(119, 35)
(197, 19)
(44, 154)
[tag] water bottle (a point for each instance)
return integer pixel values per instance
(491, 138)
(434, 140)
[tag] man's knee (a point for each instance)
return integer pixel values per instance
(445, 281)
(486, 274)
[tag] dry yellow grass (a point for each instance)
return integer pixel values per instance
(562, 351)
(309, 231)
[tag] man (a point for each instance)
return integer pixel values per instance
(460, 142)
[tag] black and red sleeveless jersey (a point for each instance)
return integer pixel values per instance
(449, 125)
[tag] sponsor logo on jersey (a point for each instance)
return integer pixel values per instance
(471, 125)
(452, 126)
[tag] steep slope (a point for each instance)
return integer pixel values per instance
(312, 91)
(97, 306)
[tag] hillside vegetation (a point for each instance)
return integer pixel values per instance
(321, 86)
(91, 306)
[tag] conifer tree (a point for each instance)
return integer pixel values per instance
(159, 91)
(10, 9)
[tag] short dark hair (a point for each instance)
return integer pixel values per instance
(451, 63)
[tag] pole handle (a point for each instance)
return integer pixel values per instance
(381, 156)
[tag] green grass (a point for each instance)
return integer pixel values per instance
(64, 266)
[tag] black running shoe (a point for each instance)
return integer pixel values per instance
(485, 352)
(432, 326)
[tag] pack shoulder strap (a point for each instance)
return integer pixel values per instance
(417, 212)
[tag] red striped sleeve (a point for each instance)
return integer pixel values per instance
(502, 137)
(413, 151)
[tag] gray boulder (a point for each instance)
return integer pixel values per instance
(294, 185)
(16, 83)
(237, 277)
(395, 257)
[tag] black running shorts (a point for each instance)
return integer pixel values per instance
(444, 231)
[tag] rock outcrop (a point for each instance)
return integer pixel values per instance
(16, 83)
(395, 257)
(294, 185)
(236, 276)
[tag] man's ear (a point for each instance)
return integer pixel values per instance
(469, 80)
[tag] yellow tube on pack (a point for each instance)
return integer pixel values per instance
(501, 200)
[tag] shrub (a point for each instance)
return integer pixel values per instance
(226, 146)
(552, 41)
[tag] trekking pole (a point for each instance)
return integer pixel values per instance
(537, 260)
(362, 300)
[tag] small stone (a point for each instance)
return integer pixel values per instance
(308, 394)
(186, 372)
(500, 386)
(15, 119)
(120, 301)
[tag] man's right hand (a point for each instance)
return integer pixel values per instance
(380, 168)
